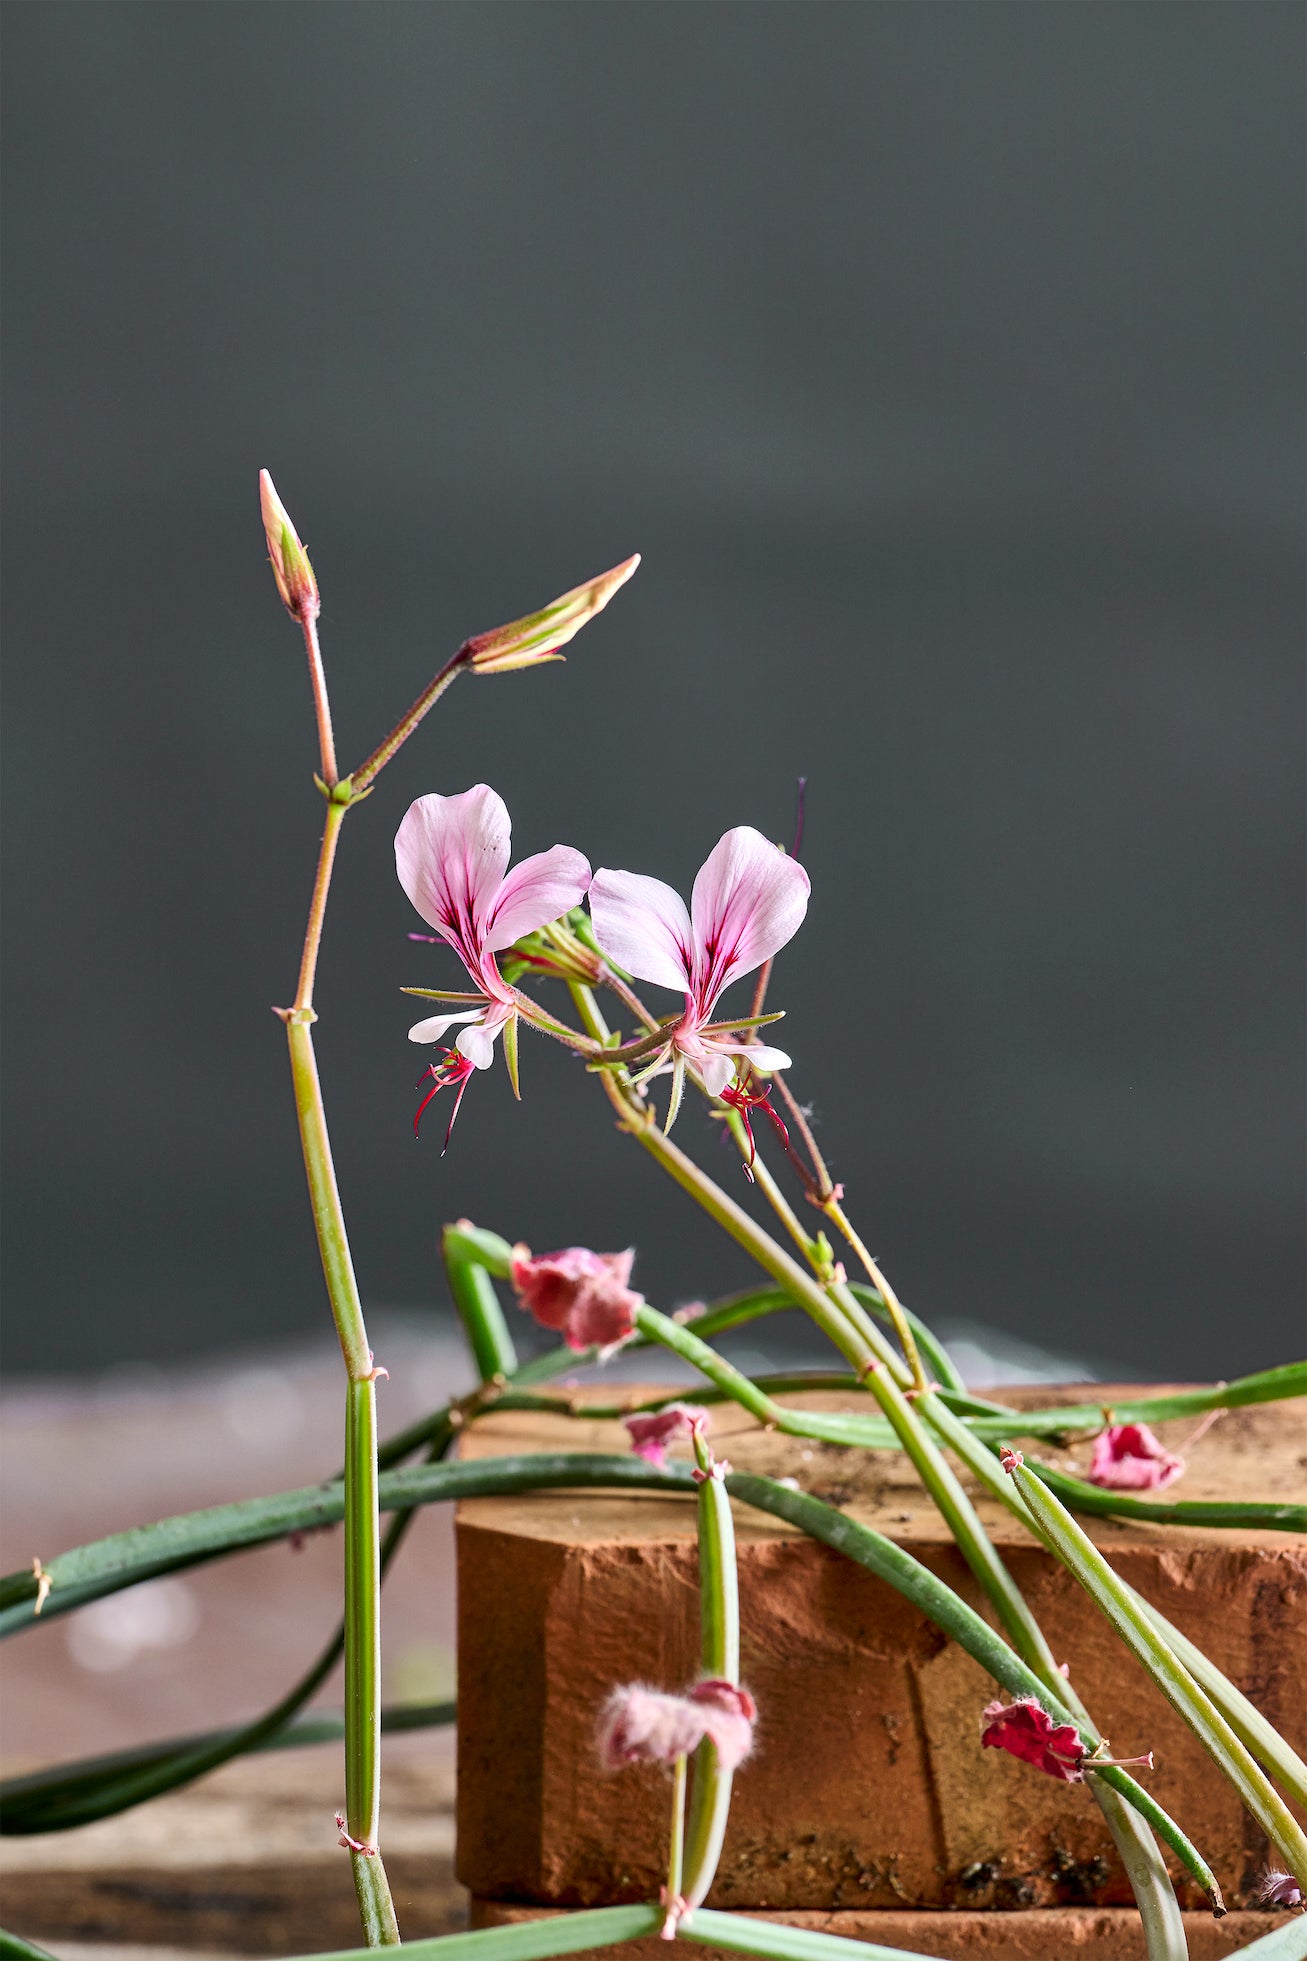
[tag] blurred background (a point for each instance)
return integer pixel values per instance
(944, 362)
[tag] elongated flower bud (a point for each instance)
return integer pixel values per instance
(538, 636)
(290, 561)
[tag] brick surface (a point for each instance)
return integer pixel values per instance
(868, 1788)
(1043, 1934)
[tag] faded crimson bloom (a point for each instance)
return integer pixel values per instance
(1128, 1457)
(583, 1295)
(639, 1725)
(652, 1432)
(1026, 1730)
(451, 854)
(748, 901)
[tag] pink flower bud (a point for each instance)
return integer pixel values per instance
(650, 1434)
(1128, 1457)
(582, 1294)
(290, 561)
(538, 636)
(639, 1725)
(1010, 1459)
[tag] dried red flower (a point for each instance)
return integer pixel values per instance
(582, 1294)
(1128, 1457)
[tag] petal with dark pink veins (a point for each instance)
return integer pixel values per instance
(642, 925)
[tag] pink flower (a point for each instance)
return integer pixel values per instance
(451, 854)
(1026, 1730)
(1128, 1457)
(650, 1434)
(583, 1294)
(748, 901)
(639, 1725)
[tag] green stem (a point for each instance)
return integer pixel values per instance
(362, 1617)
(719, 1655)
(676, 1846)
(1086, 1564)
(477, 1302)
(367, 772)
(938, 1602)
(1260, 1738)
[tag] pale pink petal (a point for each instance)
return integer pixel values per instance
(451, 854)
(716, 1070)
(478, 1044)
(642, 926)
(432, 1030)
(538, 890)
(748, 900)
(757, 1054)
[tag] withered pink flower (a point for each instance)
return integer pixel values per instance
(1278, 1889)
(651, 1433)
(749, 899)
(1026, 1730)
(732, 1713)
(639, 1725)
(451, 854)
(584, 1295)
(1128, 1457)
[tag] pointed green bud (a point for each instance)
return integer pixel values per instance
(539, 636)
(290, 561)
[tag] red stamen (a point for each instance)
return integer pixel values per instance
(452, 1073)
(744, 1100)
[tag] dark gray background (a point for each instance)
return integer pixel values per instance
(945, 364)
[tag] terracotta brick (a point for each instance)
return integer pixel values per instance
(868, 1787)
(1042, 1934)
